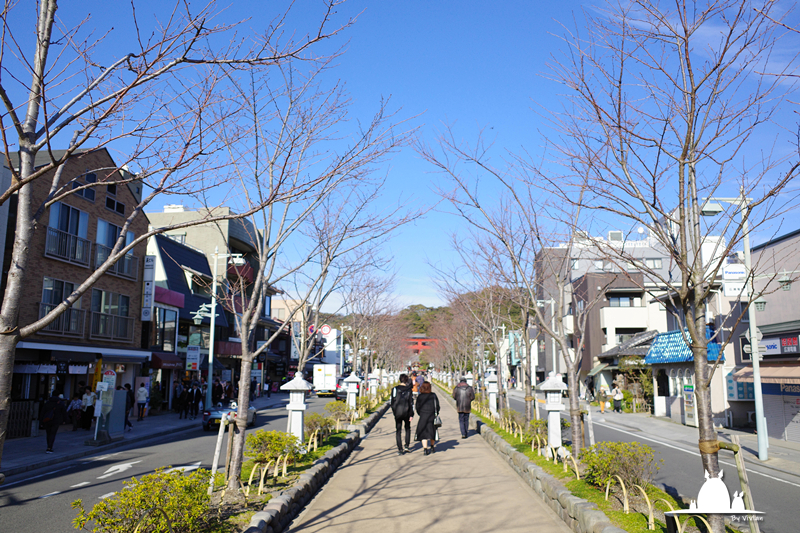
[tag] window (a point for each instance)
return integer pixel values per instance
(653, 264)
(624, 301)
(69, 220)
(110, 303)
(89, 177)
(575, 264)
(279, 314)
(107, 235)
(166, 328)
(110, 318)
(177, 237)
(598, 265)
(55, 291)
(111, 201)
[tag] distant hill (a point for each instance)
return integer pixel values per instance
(419, 319)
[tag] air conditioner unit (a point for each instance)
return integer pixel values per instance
(615, 236)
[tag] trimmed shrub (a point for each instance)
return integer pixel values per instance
(263, 446)
(181, 496)
(338, 411)
(315, 421)
(634, 462)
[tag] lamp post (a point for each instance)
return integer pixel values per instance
(710, 208)
(207, 311)
(541, 303)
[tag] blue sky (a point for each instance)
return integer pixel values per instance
(475, 65)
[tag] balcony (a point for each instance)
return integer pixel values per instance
(111, 327)
(126, 267)
(69, 324)
(67, 247)
(623, 317)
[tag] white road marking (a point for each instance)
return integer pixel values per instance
(81, 484)
(696, 454)
(104, 496)
(118, 469)
(35, 477)
(51, 494)
(185, 468)
(100, 458)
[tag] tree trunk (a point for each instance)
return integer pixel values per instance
(705, 425)
(574, 409)
(237, 457)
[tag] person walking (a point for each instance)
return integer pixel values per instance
(53, 417)
(616, 394)
(269, 387)
(602, 397)
(463, 394)
(177, 389)
(428, 409)
(74, 411)
(195, 395)
(88, 400)
(129, 401)
(216, 392)
(403, 409)
(141, 400)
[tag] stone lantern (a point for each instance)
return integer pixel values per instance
(491, 387)
(297, 389)
(352, 382)
(384, 378)
(553, 386)
(470, 379)
(373, 383)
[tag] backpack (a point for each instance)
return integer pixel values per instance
(49, 415)
(401, 399)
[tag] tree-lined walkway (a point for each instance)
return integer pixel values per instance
(464, 486)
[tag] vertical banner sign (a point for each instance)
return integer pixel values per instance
(149, 287)
(98, 372)
(689, 406)
(192, 358)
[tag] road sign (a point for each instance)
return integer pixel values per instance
(759, 335)
(734, 289)
(325, 329)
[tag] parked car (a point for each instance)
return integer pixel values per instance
(213, 416)
(341, 389)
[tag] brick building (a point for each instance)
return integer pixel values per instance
(75, 235)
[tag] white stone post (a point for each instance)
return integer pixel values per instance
(491, 386)
(352, 389)
(297, 405)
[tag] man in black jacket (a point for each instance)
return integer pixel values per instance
(403, 409)
(463, 394)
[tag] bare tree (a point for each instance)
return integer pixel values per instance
(664, 102)
(162, 104)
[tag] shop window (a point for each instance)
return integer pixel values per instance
(166, 324)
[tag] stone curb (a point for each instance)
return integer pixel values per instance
(280, 511)
(580, 515)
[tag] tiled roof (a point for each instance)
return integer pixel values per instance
(176, 257)
(638, 345)
(671, 348)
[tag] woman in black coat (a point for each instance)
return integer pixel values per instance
(427, 408)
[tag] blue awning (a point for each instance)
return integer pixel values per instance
(670, 347)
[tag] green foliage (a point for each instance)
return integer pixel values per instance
(316, 421)
(156, 399)
(338, 411)
(634, 462)
(263, 446)
(182, 497)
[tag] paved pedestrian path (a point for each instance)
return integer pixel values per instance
(463, 487)
(28, 453)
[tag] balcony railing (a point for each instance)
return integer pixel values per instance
(112, 327)
(69, 323)
(126, 267)
(67, 247)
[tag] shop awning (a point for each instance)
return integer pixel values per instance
(75, 357)
(126, 358)
(217, 364)
(598, 368)
(167, 361)
(771, 374)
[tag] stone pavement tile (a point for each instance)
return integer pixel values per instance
(463, 487)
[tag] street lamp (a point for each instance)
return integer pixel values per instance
(712, 208)
(541, 303)
(209, 311)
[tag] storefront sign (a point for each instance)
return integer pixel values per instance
(193, 358)
(149, 287)
(689, 408)
(110, 377)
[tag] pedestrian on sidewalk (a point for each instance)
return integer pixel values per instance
(602, 397)
(427, 409)
(129, 401)
(269, 387)
(616, 394)
(177, 389)
(463, 394)
(88, 400)
(74, 411)
(141, 400)
(195, 395)
(414, 385)
(403, 409)
(183, 404)
(54, 413)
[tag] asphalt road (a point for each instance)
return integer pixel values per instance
(775, 493)
(40, 500)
